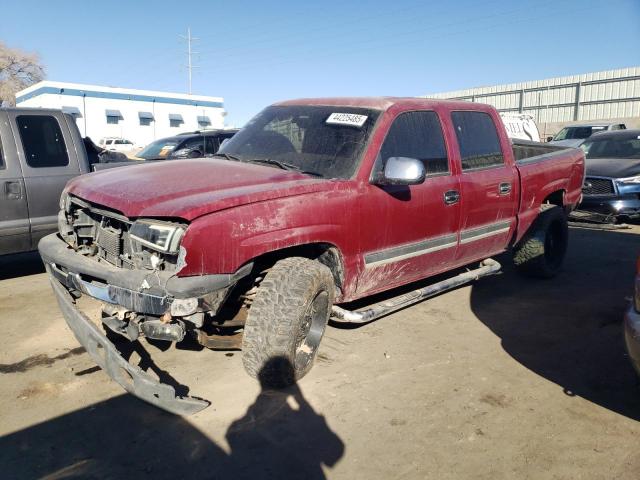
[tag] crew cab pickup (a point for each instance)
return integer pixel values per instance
(40, 150)
(315, 203)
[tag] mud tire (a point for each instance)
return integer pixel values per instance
(286, 321)
(541, 252)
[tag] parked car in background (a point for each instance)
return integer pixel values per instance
(612, 182)
(574, 135)
(632, 323)
(315, 203)
(196, 144)
(116, 144)
(521, 126)
(40, 150)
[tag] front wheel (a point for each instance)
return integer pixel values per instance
(286, 321)
(541, 252)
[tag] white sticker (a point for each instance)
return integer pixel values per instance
(351, 119)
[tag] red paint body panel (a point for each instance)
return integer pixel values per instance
(237, 211)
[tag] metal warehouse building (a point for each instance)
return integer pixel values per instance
(137, 115)
(611, 95)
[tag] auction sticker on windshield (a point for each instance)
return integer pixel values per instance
(351, 119)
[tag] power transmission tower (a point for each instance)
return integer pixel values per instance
(190, 53)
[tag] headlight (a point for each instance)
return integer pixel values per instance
(630, 180)
(65, 200)
(158, 236)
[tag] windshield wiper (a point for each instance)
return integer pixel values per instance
(227, 156)
(283, 165)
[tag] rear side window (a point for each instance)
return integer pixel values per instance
(478, 140)
(1, 156)
(42, 141)
(417, 135)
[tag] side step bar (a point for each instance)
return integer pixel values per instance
(377, 310)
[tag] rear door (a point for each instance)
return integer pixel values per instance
(488, 187)
(48, 160)
(409, 232)
(14, 215)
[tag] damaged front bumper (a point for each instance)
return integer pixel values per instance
(150, 294)
(133, 379)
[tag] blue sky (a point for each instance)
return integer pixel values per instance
(254, 53)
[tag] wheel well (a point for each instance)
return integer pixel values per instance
(325, 253)
(555, 198)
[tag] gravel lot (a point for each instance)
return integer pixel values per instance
(507, 378)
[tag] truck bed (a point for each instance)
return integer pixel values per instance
(545, 169)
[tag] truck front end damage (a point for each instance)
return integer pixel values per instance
(130, 266)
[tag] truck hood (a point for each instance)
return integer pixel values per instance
(613, 167)
(190, 188)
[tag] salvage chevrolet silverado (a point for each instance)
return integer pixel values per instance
(314, 204)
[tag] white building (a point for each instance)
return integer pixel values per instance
(137, 115)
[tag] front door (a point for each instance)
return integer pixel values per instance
(47, 165)
(14, 215)
(488, 187)
(409, 232)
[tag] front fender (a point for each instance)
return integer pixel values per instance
(226, 240)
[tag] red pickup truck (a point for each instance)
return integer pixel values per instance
(313, 204)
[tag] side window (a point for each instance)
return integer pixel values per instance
(478, 140)
(417, 135)
(42, 141)
(1, 156)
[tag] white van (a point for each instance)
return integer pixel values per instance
(521, 126)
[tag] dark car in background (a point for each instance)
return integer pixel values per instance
(612, 182)
(196, 144)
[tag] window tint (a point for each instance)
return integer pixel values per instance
(42, 141)
(417, 135)
(1, 157)
(478, 140)
(211, 144)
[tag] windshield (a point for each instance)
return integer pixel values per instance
(327, 141)
(612, 148)
(158, 149)
(569, 133)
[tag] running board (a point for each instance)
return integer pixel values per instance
(377, 310)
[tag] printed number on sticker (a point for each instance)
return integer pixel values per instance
(350, 119)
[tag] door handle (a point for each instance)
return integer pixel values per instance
(13, 190)
(451, 197)
(504, 188)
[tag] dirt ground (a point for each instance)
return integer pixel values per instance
(506, 378)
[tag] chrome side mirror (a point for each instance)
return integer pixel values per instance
(402, 171)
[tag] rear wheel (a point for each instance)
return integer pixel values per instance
(541, 252)
(287, 320)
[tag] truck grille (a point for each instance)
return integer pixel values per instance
(96, 232)
(597, 186)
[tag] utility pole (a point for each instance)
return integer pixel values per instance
(190, 53)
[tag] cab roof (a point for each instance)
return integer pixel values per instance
(375, 103)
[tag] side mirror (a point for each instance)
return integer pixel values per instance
(402, 171)
(549, 139)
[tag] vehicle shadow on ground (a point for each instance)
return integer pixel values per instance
(20, 265)
(280, 436)
(569, 329)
